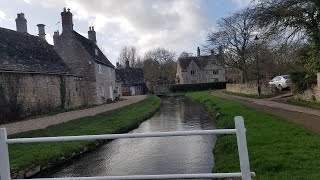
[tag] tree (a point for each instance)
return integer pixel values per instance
(296, 16)
(234, 37)
(159, 65)
(129, 53)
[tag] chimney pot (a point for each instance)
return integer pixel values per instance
(42, 33)
(198, 52)
(56, 38)
(21, 23)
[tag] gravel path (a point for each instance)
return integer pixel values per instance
(43, 122)
(307, 117)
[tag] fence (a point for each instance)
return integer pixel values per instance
(240, 132)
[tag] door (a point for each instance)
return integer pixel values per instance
(133, 90)
(111, 92)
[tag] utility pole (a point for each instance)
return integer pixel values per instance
(256, 39)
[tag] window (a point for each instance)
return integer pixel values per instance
(138, 88)
(101, 91)
(215, 72)
(96, 52)
(193, 72)
(100, 68)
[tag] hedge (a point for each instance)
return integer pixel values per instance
(197, 87)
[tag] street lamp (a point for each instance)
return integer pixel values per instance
(256, 40)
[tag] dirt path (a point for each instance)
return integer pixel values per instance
(43, 122)
(309, 118)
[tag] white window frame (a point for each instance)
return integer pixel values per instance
(100, 69)
(101, 91)
(215, 72)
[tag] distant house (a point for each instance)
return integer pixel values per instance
(86, 59)
(131, 80)
(33, 78)
(200, 69)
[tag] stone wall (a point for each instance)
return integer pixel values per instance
(26, 94)
(312, 94)
(250, 89)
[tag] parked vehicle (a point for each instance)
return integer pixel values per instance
(281, 82)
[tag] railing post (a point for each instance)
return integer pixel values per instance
(4, 156)
(242, 148)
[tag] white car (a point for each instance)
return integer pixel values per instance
(281, 82)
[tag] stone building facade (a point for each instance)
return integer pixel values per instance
(200, 69)
(36, 77)
(33, 78)
(86, 59)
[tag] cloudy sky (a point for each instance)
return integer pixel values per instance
(178, 25)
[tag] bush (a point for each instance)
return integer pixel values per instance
(302, 80)
(197, 87)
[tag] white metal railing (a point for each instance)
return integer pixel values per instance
(239, 130)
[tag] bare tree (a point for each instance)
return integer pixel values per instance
(159, 65)
(234, 36)
(128, 53)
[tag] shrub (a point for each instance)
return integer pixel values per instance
(197, 87)
(302, 80)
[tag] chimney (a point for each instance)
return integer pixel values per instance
(92, 35)
(42, 33)
(56, 38)
(220, 49)
(21, 23)
(212, 52)
(127, 64)
(198, 52)
(66, 18)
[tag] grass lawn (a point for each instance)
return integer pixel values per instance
(115, 121)
(299, 102)
(262, 96)
(277, 149)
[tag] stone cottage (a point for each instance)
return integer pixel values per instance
(86, 59)
(131, 80)
(200, 69)
(33, 78)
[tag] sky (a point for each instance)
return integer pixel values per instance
(177, 25)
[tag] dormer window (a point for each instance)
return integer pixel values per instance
(215, 72)
(96, 52)
(193, 72)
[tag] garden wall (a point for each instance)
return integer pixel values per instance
(250, 89)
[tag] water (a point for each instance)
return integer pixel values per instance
(165, 155)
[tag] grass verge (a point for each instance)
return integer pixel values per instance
(277, 149)
(262, 96)
(116, 121)
(300, 102)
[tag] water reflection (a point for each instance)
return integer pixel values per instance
(167, 155)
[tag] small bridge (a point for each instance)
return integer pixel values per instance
(239, 131)
(161, 90)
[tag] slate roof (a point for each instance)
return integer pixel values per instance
(25, 53)
(201, 61)
(130, 76)
(90, 48)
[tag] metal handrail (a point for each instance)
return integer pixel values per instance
(240, 131)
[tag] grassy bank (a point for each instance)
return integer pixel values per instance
(115, 121)
(277, 149)
(299, 102)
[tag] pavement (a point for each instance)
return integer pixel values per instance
(307, 117)
(43, 122)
